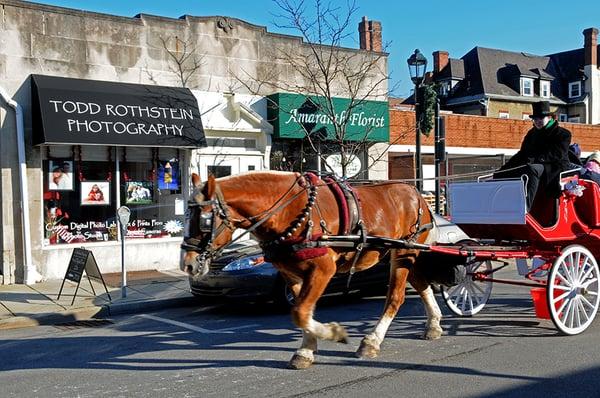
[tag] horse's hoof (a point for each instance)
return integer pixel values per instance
(433, 334)
(299, 362)
(367, 349)
(339, 333)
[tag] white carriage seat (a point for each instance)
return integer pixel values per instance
(488, 202)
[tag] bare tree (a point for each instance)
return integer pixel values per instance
(185, 61)
(321, 70)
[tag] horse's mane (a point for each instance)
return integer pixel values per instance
(246, 174)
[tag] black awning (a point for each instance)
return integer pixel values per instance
(76, 111)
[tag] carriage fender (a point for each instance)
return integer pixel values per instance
(447, 232)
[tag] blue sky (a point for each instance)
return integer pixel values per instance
(534, 26)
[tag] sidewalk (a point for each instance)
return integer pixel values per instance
(38, 304)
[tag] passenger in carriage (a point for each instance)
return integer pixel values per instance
(543, 154)
(592, 167)
(591, 170)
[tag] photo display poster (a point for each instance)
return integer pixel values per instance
(95, 193)
(168, 174)
(139, 192)
(60, 175)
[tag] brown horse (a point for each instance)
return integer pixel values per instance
(284, 207)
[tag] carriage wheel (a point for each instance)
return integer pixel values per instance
(470, 296)
(573, 288)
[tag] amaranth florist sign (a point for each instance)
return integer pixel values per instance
(295, 116)
(74, 111)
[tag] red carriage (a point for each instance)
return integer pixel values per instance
(555, 247)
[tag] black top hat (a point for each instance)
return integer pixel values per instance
(541, 109)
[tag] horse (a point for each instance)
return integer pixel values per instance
(284, 208)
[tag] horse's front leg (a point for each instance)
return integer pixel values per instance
(371, 343)
(313, 286)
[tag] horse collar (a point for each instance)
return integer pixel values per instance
(306, 213)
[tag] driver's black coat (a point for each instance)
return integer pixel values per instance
(548, 147)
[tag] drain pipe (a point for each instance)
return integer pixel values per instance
(30, 273)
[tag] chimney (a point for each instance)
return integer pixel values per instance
(369, 33)
(590, 46)
(364, 34)
(440, 60)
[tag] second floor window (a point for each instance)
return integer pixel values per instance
(527, 87)
(574, 89)
(544, 89)
(445, 89)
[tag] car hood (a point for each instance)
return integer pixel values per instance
(236, 252)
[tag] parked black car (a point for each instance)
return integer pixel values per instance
(242, 273)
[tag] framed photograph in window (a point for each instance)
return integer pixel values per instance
(168, 174)
(139, 192)
(95, 193)
(60, 175)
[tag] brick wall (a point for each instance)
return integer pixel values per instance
(483, 132)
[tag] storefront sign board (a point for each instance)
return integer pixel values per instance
(76, 111)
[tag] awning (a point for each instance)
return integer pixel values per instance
(76, 111)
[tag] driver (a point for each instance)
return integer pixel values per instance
(543, 154)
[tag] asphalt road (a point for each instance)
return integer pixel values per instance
(243, 350)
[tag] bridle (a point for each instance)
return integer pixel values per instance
(207, 225)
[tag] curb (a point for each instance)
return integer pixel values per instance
(133, 307)
(95, 312)
(53, 318)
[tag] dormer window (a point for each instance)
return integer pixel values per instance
(527, 87)
(574, 89)
(444, 89)
(544, 89)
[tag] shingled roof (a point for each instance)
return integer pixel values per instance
(487, 71)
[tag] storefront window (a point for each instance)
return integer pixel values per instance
(81, 196)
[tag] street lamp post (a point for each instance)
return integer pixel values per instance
(417, 63)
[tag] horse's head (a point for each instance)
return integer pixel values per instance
(208, 226)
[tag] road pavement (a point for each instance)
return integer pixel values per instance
(242, 350)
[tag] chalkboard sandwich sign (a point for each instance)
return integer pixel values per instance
(82, 260)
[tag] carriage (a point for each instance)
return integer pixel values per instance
(554, 246)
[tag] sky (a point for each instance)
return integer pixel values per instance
(532, 26)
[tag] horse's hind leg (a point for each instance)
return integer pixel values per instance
(433, 330)
(302, 314)
(371, 343)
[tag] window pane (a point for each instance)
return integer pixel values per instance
(152, 191)
(219, 171)
(79, 201)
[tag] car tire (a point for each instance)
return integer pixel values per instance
(283, 298)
